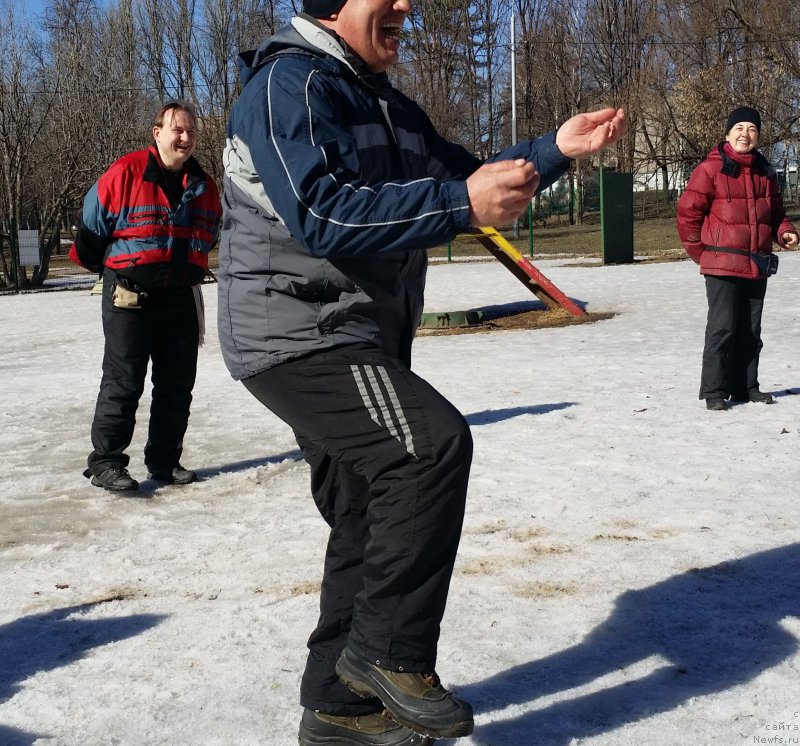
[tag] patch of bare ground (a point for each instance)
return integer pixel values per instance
(524, 534)
(544, 590)
(115, 594)
(545, 550)
(535, 319)
(306, 588)
(481, 567)
(488, 529)
(626, 530)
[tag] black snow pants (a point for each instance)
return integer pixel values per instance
(390, 460)
(165, 330)
(733, 337)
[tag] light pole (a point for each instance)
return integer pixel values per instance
(514, 98)
(513, 82)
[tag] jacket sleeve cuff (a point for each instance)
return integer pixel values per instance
(455, 192)
(695, 251)
(88, 250)
(550, 154)
(785, 227)
(550, 162)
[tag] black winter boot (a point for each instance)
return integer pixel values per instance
(716, 405)
(176, 475)
(759, 396)
(378, 729)
(114, 479)
(414, 700)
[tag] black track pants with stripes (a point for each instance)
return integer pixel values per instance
(390, 460)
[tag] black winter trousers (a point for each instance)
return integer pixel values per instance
(165, 330)
(390, 460)
(733, 337)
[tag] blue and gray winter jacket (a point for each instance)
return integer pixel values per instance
(335, 185)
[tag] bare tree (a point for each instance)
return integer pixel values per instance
(80, 89)
(435, 69)
(553, 77)
(225, 29)
(23, 109)
(622, 33)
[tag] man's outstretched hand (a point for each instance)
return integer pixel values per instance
(586, 134)
(500, 191)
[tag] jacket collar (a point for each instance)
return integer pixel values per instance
(154, 170)
(331, 43)
(306, 34)
(733, 162)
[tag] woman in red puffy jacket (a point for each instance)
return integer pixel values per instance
(728, 218)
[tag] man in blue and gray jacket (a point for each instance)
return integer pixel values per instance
(335, 185)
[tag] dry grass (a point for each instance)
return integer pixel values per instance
(654, 239)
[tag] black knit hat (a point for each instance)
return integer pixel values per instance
(743, 114)
(322, 8)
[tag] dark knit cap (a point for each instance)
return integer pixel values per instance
(322, 8)
(743, 114)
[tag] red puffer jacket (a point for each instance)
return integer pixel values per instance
(731, 209)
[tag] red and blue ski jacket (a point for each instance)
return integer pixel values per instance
(130, 225)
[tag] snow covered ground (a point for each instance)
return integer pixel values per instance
(629, 571)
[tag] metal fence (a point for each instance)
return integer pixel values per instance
(541, 237)
(551, 235)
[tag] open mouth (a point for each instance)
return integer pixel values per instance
(392, 30)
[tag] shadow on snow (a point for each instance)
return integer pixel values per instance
(489, 416)
(716, 627)
(42, 642)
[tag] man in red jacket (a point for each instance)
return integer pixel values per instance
(148, 225)
(728, 218)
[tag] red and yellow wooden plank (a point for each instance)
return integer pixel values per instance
(525, 271)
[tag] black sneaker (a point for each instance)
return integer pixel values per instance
(760, 396)
(378, 729)
(716, 405)
(417, 701)
(114, 479)
(176, 475)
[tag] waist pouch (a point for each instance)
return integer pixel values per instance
(766, 264)
(127, 295)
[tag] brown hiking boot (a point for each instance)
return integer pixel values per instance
(414, 700)
(377, 729)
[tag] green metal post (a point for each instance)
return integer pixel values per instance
(14, 246)
(616, 217)
(530, 230)
(449, 252)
